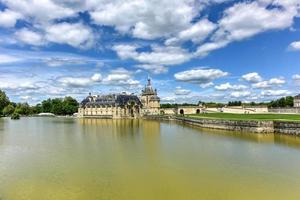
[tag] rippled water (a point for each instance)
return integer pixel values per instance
(89, 159)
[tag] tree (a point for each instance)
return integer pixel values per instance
(70, 106)
(57, 107)
(37, 109)
(8, 110)
(23, 109)
(47, 106)
(4, 101)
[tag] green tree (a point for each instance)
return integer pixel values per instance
(36, 109)
(57, 107)
(4, 101)
(23, 109)
(8, 110)
(70, 106)
(47, 106)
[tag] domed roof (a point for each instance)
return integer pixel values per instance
(148, 90)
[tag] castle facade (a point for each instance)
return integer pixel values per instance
(121, 105)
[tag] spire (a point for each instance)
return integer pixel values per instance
(149, 81)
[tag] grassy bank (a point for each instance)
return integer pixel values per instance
(260, 117)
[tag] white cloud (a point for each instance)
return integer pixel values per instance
(80, 81)
(228, 86)
(270, 83)
(120, 77)
(240, 94)
(18, 85)
(145, 19)
(200, 76)
(155, 69)
(8, 18)
(158, 56)
(96, 77)
(294, 46)
(40, 11)
(196, 32)
(180, 91)
(246, 19)
(76, 34)
(275, 93)
(253, 77)
(296, 77)
(5, 59)
(30, 37)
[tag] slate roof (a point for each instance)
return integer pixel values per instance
(297, 97)
(110, 100)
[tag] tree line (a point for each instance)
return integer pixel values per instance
(283, 102)
(57, 106)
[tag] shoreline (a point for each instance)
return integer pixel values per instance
(252, 126)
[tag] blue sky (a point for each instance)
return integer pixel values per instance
(208, 50)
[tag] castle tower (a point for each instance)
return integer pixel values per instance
(149, 98)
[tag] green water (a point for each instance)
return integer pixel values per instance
(89, 159)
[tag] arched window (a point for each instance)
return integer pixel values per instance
(181, 112)
(198, 111)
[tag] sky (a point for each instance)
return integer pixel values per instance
(193, 50)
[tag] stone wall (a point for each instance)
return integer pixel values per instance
(288, 128)
(231, 125)
(285, 110)
(277, 127)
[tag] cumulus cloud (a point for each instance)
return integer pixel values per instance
(40, 11)
(30, 37)
(294, 46)
(155, 69)
(8, 18)
(240, 94)
(246, 19)
(270, 83)
(253, 77)
(73, 34)
(5, 59)
(196, 32)
(228, 86)
(200, 76)
(275, 93)
(80, 81)
(159, 55)
(180, 91)
(145, 19)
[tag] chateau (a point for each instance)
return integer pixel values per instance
(297, 101)
(121, 105)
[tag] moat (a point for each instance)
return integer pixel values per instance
(68, 158)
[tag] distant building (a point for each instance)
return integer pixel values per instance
(297, 101)
(121, 105)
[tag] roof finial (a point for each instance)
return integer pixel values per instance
(149, 80)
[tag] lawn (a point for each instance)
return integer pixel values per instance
(262, 117)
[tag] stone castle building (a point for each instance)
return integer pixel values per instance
(297, 101)
(121, 105)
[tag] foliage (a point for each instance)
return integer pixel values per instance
(234, 103)
(15, 116)
(66, 106)
(9, 110)
(23, 109)
(4, 101)
(282, 102)
(212, 104)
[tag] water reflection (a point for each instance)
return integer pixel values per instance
(285, 140)
(62, 159)
(120, 127)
